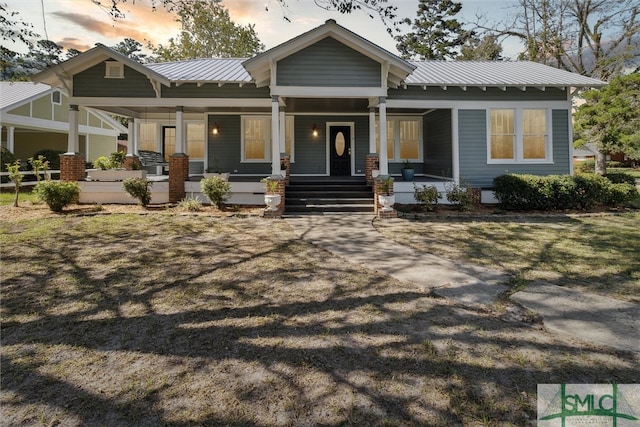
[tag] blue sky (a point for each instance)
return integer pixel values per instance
(81, 24)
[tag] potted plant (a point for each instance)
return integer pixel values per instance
(283, 169)
(215, 171)
(407, 171)
(110, 169)
(386, 199)
(271, 197)
(375, 172)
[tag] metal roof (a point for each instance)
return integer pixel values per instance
(14, 93)
(494, 73)
(427, 73)
(213, 70)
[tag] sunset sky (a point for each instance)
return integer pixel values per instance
(80, 24)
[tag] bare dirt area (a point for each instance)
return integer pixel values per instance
(210, 319)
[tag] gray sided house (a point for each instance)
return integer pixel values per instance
(329, 99)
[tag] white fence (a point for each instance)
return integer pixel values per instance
(27, 173)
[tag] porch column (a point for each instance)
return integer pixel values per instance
(384, 158)
(11, 133)
(275, 136)
(283, 126)
(73, 143)
(372, 130)
(131, 130)
(180, 130)
(455, 148)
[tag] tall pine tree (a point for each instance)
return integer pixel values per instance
(436, 32)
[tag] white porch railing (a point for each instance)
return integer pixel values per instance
(27, 183)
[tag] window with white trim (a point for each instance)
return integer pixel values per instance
(256, 139)
(195, 139)
(404, 139)
(114, 70)
(56, 97)
(148, 136)
(519, 135)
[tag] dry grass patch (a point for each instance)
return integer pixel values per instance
(196, 320)
(597, 253)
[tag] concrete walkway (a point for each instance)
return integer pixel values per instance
(591, 318)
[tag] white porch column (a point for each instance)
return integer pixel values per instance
(283, 127)
(372, 130)
(11, 138)
(131, 131)
(275, 136)
(455, 147)
(384, 159)
(73, 143)
(180, 147)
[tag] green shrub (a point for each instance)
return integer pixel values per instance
(524, 192)
(621, 194)
(102, 162)
(190, 204)
(39, 164)
(57, 195)
(460, 196)
(591, 190)
(620, 178)
(116, 159)
(587, 166)
(51, 156)
(426, 196)
(217, 190)
(138, 188)
(6, 158)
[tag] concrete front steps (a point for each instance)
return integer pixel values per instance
(328, 195)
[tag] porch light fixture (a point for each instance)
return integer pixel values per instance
(314, 130)
(215, 129)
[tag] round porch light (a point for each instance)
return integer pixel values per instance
(314, 130)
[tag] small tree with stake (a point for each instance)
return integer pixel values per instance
(16, 177)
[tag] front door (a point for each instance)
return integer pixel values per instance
(340, 150)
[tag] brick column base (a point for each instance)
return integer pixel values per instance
(132, 162)
(281, 191)
(178, 174)
(371, 163)
(72, 167)
(284, 159)
(379, 188)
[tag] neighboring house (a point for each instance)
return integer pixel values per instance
(586, 152)
(329, 98)
(36, 116)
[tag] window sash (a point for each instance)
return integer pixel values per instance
(404, 139)
(256, 139)
(517, 135)
(148, 136)
(195, 139)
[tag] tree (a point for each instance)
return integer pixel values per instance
(13, 29)
(208, 32)
(133, 49)
(486, 48)
(596, 38)
(610, 118)
(436, 33)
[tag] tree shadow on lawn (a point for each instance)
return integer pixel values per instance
(244, 326)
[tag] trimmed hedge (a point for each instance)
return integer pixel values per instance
(532, 192)
(621, 178)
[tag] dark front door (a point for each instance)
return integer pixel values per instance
(340, 150)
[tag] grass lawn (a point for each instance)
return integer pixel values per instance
(7, 197)
(598, 253)
(167, 319)
(635, 172)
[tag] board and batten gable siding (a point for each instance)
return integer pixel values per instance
(474, 170)
(438, 156)
(328, 63)
(455, 93)
(224, 149)
(211, 90)
(92, 83)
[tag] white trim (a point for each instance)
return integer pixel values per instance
(350, 147)
(570, 128)
(476, 105)
(328, 91)
(455, 145)
(110, 67)
(396, 119)
(52, 126)
(268, 142)
(518, 134)
(171, 102)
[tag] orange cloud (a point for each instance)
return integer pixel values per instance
(113, 30)
(73, 43)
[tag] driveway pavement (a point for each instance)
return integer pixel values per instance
(591, 318)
